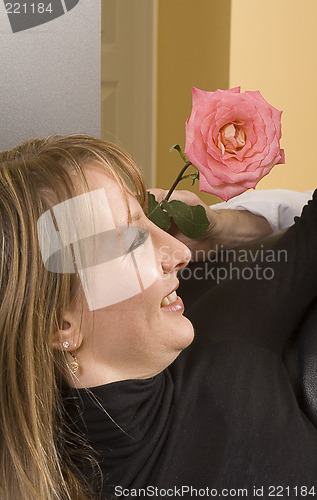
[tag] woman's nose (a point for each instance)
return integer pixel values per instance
(173, 254)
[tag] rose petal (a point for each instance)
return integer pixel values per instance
(224, 191)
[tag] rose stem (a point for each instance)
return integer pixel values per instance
(177, 180)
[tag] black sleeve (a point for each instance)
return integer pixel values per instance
(266, 302)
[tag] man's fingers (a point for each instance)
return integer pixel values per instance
(182, 195)
(158, 193)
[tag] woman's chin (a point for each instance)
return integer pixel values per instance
(190, 331)
(183, 334)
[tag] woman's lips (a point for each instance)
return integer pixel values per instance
(170, 298)
(172, 302)
(175, 306)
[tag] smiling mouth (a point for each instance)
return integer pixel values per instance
(169, 299)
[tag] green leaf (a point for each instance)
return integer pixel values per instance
(179, 149)
(191, 221)
(155, 213)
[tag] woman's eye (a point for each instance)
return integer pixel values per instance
(131, 237)
(140, 238)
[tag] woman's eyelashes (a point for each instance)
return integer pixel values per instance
(131, 238)
(140, 238)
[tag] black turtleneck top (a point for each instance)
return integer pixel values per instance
(223, 417)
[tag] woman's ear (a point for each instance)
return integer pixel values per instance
(69, 336)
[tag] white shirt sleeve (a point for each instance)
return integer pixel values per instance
(278, 206)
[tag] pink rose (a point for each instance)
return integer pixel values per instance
(233, 139)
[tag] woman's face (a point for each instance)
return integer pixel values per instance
(138, 336)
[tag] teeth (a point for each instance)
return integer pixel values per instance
(172, 297)
(165, 302)
(169, 299)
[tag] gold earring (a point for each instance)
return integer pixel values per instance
(74, 364)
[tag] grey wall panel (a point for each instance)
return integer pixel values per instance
(50, 75)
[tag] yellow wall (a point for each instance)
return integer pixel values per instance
(193, 50)
(274, 50)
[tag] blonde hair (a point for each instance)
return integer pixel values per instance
(35, 462)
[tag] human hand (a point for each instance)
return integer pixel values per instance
(227, 228)
(209, 240)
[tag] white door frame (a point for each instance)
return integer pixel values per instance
(129, 67)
